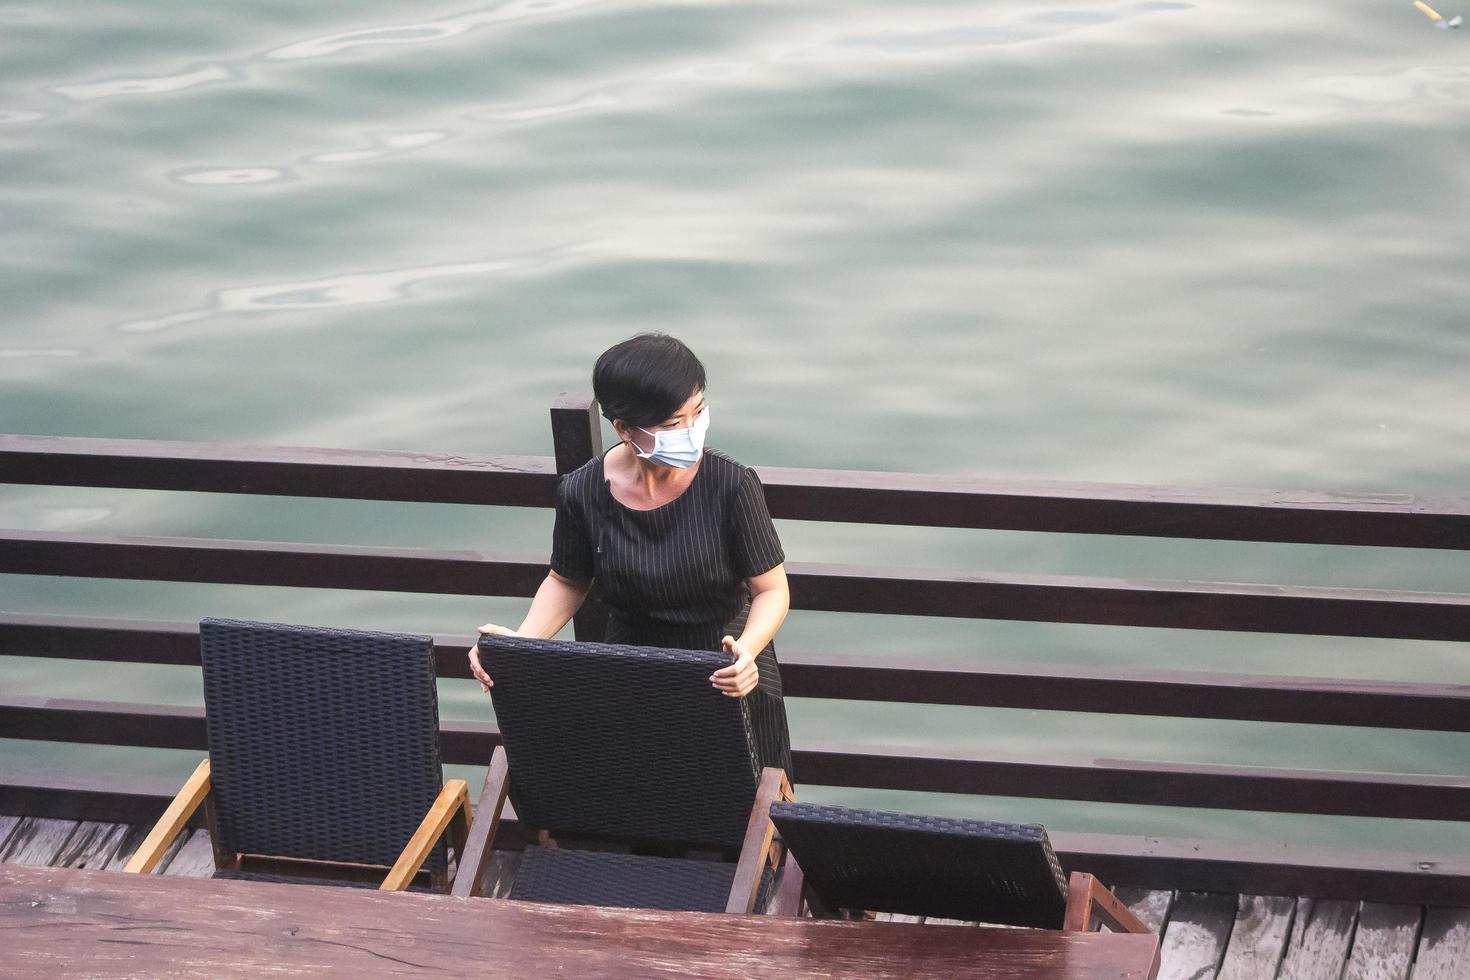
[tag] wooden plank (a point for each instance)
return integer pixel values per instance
(828, 587)
(1220, 513)
(1384, 944)
(1195, 938)
(180, 926)
(1174, 694)
(1150, 905)
(1070, 687)
(92, 845)
(1444, 947)
(36, 841)
(1424, 797)
(131, 841)
(1258, 938)
(193, 859)
(360, 474)
(1320, 938)
(500, 876)
(7, 827)
(1269, 867)
(1225, 513)
(217, 561)
(1103, 601)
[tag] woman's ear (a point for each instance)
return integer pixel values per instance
(621, 430)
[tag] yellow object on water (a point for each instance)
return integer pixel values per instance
(1429, 11)
(1433, 15)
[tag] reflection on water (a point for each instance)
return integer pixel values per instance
(1017, 30)
(15, 117)
(390, 144)
(349, 289)
(1448, 83)
(420, 33)
(234, 175)
(17, 354)
(153, 85)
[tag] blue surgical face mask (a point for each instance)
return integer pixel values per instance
(678, 447)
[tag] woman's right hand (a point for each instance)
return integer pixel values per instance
(475, 667)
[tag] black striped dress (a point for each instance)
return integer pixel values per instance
(675, 576)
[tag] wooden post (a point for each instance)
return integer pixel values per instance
(576, 434)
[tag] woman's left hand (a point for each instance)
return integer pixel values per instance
(741, 677)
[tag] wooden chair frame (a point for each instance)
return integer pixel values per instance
(449, 813)
(1089, 901)
(760, 848)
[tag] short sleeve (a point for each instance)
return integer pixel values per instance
(571, 542)
(754, 547)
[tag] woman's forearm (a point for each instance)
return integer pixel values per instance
(767, 613)
(556, 602)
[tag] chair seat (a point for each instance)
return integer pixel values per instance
(567, 876)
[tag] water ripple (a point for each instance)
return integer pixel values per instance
(1446, 83)
(348, 289)
(1032, 27)
(228, 175)
(321, 47)
(144, 85)
(17, 117)
(588, 103)
(16, 354)
(390, 144)
(436, 30)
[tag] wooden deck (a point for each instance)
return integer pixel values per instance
(1232, 937)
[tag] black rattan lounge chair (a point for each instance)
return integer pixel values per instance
(944, 867)
(632, 746)
(323, 759)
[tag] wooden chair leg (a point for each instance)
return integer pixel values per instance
(788, 893)
(755, 852)
(222, 858)
(481, 836)
(455, 796)
(1087, 897)
(174, 819)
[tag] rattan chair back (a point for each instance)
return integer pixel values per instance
(944, 867)
(622, 742)
(323, 743)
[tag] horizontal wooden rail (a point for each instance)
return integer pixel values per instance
(1222, 514)
(1152, 862)
(834, 588)
(360, 474)
(1181, 694)
(215, 561)
(1362, 794)
(1227, 514)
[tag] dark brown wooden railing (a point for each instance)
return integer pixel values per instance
(875, 498)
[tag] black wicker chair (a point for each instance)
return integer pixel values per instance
(844, 860)
(323, 759)
(631, 746)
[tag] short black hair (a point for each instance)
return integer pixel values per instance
(645, 379)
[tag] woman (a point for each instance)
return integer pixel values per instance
(677, 536)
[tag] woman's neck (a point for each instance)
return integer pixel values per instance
(649, 482)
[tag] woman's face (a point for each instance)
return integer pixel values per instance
(682, 418)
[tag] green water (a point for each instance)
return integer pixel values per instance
(1219, 243)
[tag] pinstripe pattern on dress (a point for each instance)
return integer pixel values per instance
(675, 576)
